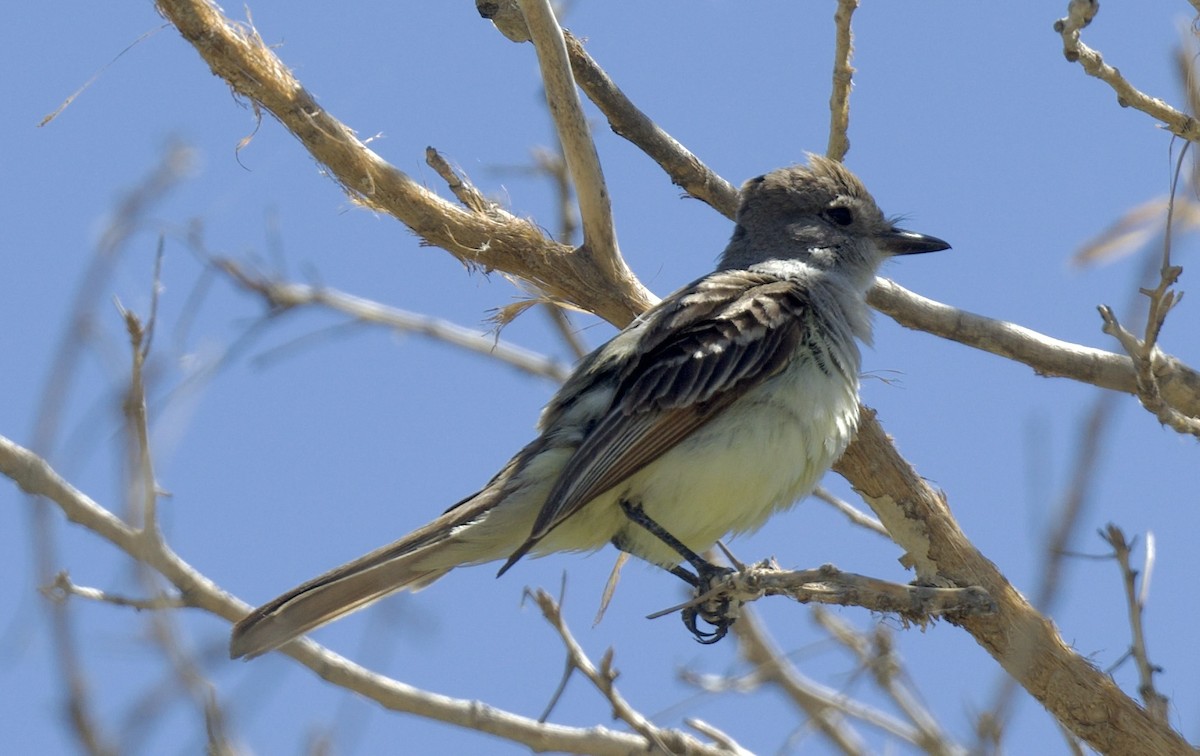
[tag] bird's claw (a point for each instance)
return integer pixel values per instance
(720, 612)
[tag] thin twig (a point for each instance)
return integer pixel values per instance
(1079, 14)
(843, 82)
(143, 486)
(63, 587)
(1145, 352)
(875, 652)
(126, 219)
(460, 185)
(852, 513)
(1156, 703)
(603, 678)
(143, 499)
(283, 295)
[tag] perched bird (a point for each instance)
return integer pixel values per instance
(715, 409)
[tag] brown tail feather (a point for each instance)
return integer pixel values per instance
(323, 600)
(410, 563)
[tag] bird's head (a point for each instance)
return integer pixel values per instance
(819, 214)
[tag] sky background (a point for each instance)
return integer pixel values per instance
(315, 442)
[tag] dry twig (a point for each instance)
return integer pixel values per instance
(1079, 14)
(603, 678)
(283, 295)
(1156, 703)
(876, 654)
(843, 82)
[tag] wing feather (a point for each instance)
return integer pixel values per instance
(698, 351)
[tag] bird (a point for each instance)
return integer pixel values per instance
(718, 407)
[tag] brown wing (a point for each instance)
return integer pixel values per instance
(699, 350)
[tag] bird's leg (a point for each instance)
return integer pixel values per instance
(720, 613)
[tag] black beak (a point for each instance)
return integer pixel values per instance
(901, 242)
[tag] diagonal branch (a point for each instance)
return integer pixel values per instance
(36, 477)
(684, 169)
(604, 679)
(282, 295)
(1157, 703)
(1023, 641)
(599, 235)
(498, 241)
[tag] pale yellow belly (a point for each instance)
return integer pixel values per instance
(759, 456)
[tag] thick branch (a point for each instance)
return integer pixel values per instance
(1024, 642)
(495, 241)
(918, 604)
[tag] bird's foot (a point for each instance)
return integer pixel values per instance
(719, 610)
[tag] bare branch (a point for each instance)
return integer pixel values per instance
(599, 234)
(1145, 352)
(1024, 642)
(1079, 14)
(1048, 356)
(1155, 702)
(826, 709)
(1147, 361)
(63, 588)
(843, 81)
(685, 169)
(827, 584)
(144, 488)
(130, 212)
(458, 183)
(282, 295)
(238, 55)
(854, 514)
(876, 654)
(604, 679)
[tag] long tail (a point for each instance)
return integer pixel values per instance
(412, 562)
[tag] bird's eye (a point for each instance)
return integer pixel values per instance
(840, 215)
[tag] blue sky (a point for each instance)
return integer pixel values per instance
(317, 442)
